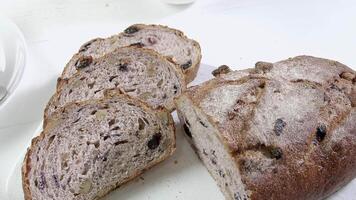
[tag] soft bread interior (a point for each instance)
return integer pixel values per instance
(90, 148)
(139, 72)
(214, 154)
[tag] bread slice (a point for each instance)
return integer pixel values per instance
(168, 42)
(139, 72)
(87, 149)
(282, 130)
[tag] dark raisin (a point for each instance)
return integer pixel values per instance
(320, 133)
(115, 128)
(91, 85)
(221, 173)
(42, 181)
(213, 153)
(77, 120)
(83, 62)
(112, 77)
(186, 65)
(123, 67)
(276, 153)
(152, 40)
(141, 124)
(279, 125)
(153, 143)
(56, 182)
(187, 131)
(111, 122)
(131, 30)
(187, 122)
(202, 123)
(237, 196)
(175, 89)
(121, 142)
(213, 160)
(137, 44)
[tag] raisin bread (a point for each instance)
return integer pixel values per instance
(282, 130)
(169, 42)
(87, 149)
(139, 72)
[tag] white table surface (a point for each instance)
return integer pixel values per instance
(233, 32)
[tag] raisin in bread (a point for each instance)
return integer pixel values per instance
(139, 72)
(87, 149)
(282, 130)
(169, 42)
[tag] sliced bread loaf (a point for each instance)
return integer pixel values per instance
(169, 42)
(139, 72)
(282, 130)
(87, 149)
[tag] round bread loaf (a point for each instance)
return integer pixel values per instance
(284, 130)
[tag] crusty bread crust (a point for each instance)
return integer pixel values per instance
(189, 73)
(26, 167)
(311, 166)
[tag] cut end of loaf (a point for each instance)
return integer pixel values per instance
(211, 150)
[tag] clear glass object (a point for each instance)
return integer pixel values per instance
(12, 58)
